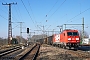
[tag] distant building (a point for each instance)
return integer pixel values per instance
(89, 36)
(86, 40)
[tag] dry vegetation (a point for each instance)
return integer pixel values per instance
(54, 53)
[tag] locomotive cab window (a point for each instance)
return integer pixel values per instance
(72, 33)
(69, 33)
(75, 34)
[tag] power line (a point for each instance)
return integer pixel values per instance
(50, 9)
(6, 13)
(57, 9)
(3, 17)
(27, 11)
(3, 10)
(19, 16)
(15, 26)
(18, 11)
(31, 8)
(80, 13)
(21, 30)
(32, 12)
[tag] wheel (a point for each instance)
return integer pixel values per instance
(69, 47)
(60, 45)
(76, 48)
(64, 47)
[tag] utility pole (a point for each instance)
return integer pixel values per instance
(83, 28)
(9, 23)
(20, 31)
(65, 26)
(42, 30)
(61, 28)
(30, 36)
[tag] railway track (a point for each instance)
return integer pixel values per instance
(6, 53)
(31, 54)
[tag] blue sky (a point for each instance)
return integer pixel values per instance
(48, 13)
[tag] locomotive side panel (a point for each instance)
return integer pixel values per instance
(63, 37)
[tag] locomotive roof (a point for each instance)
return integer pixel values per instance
(70, 30)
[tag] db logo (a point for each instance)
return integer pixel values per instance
(57, 38)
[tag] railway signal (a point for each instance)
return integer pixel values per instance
(27, 30)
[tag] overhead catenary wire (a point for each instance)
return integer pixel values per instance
(3, 11)
(15, 26)
(52, 7)
(18, 11)
(50, 10)
(79, 14)
(31, 9)
(32, 13)
(57, 9)
(3, 17)
(20, 16)
(27, 11)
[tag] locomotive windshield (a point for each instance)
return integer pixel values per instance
(72, 33)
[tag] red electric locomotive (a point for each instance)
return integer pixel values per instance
(67, 38)
(70, 38)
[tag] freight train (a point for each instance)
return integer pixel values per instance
(66, 39)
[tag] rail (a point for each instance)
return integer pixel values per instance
(31, 54)
(6, 52)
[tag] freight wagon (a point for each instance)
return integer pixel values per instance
(41, 41)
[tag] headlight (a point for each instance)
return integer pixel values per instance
(69, 38)
(77, 38)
